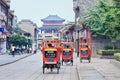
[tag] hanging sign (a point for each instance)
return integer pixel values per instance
(1, 29)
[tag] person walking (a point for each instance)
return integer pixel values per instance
(13, 50)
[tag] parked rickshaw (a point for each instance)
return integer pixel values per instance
(67, 52)
(85, 53)
(85, 47)
(51, 56)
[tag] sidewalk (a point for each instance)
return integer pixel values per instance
(98, 69)
(7, 59)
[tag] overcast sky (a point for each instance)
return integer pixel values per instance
(39, 9)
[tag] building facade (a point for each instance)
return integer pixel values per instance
(67, 32)
(6, 22)
(79, 8)
(50, 28)
(29, 27)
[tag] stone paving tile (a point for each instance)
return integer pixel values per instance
(92, 78)
(31, 69)
(112, 78)
(4, 59)
(90, 74)
(98, 69)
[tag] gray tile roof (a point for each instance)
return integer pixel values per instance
(49, 29)
(53, 18)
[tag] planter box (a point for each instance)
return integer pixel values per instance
(107, 57)
(107, 54)
(110, 52)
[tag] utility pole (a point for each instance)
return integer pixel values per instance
(77, 29)
(35, 38)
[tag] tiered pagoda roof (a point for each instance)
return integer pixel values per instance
(54, 18)
(52, 23)
(49, 29)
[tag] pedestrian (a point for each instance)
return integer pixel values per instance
(29, 50)
(13, 50)
(41, 47)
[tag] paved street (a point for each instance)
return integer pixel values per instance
(59, 25)
(98, 69)
(6, 58)
(30, 68)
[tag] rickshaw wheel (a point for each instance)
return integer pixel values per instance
(51, 70)
(80, 60)
(43, 69)
(58, 67)
(72, 62)
(62, 62)
(89, 60)
(57, 70)
(59, 64)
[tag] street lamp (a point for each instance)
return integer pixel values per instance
(35, 37)
(29, 43)
(77, 10)
(77, 29)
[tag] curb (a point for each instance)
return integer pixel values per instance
(15, 60)
(78, 73)
(115, 62)
(78, 67)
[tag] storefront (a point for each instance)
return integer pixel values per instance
(2, 41)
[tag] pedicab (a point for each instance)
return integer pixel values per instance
(51, 56)
(85, 47)
(67, 52)
(85, 53)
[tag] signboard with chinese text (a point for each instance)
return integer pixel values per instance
(1, 29)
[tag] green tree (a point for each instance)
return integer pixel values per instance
(30, 41)
(105, 19)
(117, 3)
(18, 40)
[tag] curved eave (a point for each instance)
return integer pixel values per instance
(50, 28)
(53, 18)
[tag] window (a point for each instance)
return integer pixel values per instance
(50, 54)
(48, 37)
(0, 8)
(84, 52)
(66, 52)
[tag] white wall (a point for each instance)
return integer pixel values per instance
(3, 46)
